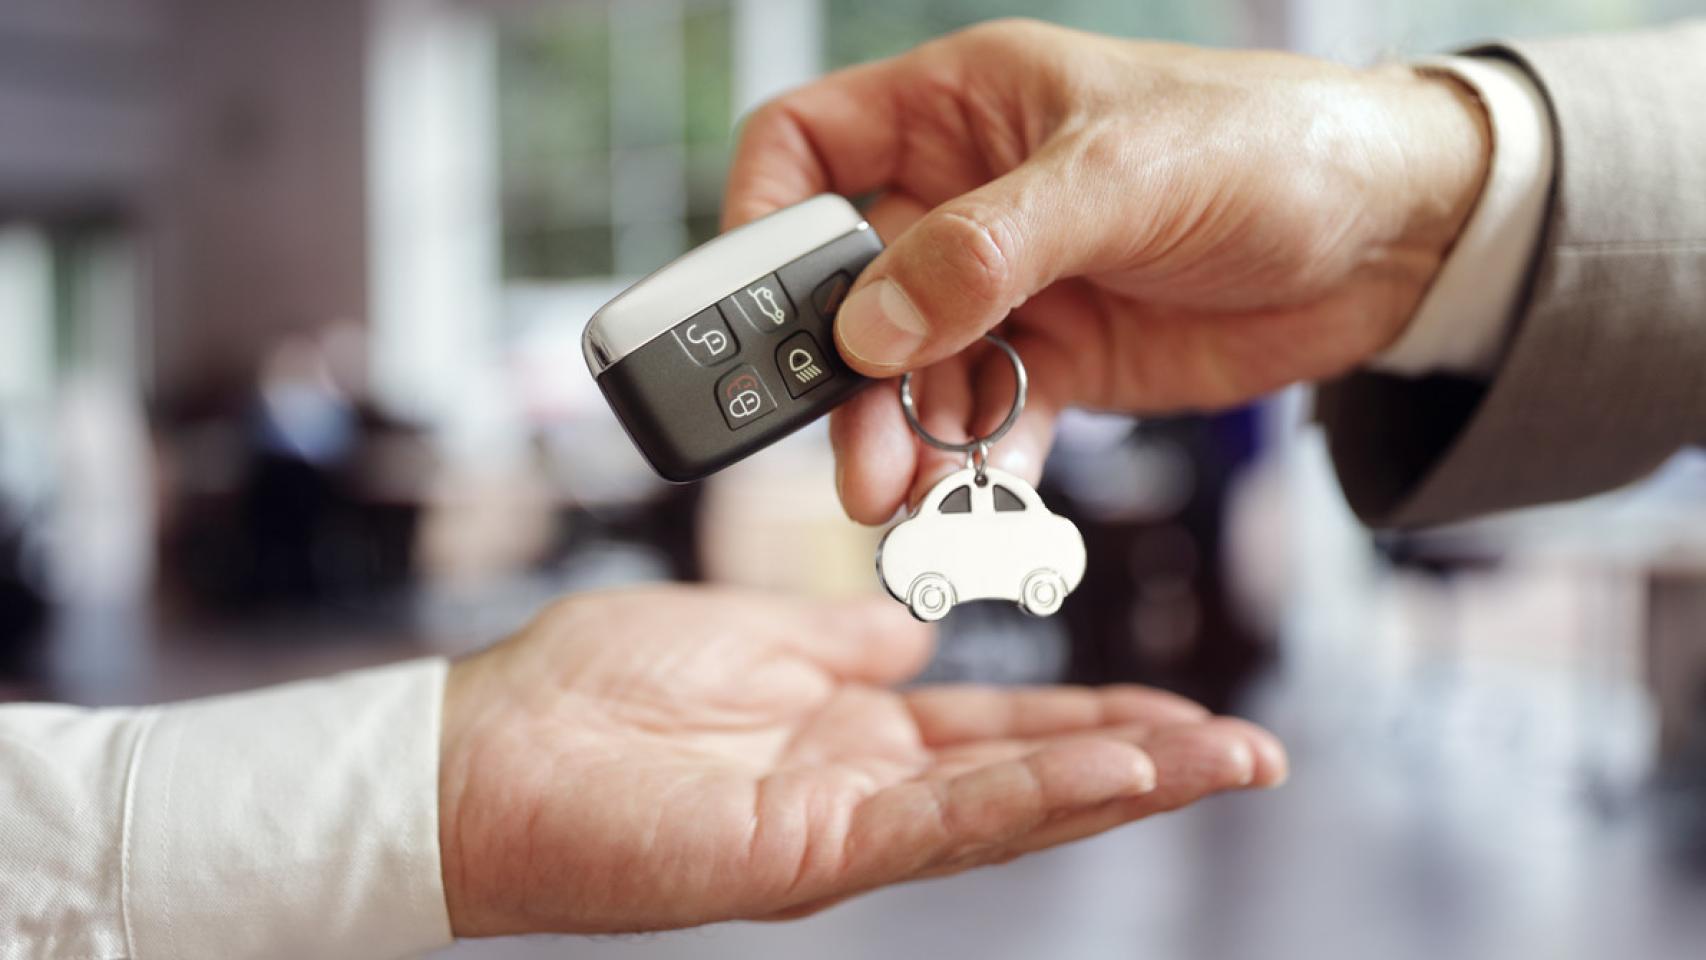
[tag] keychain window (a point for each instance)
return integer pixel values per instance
(957, 502)
(1006, 501)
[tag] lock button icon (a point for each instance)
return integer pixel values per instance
(801, 364)
(742, 397)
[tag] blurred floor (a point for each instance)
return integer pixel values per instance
(1315, 870)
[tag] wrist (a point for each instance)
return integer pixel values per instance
(1449, 137)
(455, 759)
(1470, 307)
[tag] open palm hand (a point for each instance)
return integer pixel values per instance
(664, 758)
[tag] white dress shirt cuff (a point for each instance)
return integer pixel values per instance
(63, 773)
(299, 821)
(1465, 319)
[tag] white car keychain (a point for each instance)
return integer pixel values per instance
(981, 533)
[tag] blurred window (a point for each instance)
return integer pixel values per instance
(1006, 501)
(613, 134)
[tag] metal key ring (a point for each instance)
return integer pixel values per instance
(975, 443)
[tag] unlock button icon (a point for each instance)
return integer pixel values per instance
(801, 364)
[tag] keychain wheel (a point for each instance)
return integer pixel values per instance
(1042, 593)
(930, 597)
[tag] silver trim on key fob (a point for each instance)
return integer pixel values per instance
(702, 276)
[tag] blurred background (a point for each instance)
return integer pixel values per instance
(290, 300)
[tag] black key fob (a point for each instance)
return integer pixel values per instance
(728, 348)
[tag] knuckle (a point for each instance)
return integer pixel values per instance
(1106, 148)
(938, 80)
(1033, 793)
(1005, 32)
(990, 41)
(944, 817)
(979, 249)
(771, 115)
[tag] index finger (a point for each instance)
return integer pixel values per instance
(840, 133)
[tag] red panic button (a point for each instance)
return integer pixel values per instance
(743, 397)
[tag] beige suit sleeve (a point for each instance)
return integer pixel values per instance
(1605, 373)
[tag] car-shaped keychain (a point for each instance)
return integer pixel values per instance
(981, 535)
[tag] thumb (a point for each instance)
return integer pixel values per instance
(962, 267)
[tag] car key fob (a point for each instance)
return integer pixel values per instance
(728, 348)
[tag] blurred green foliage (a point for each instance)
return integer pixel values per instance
(554, 142)
(710, 115)
(557, 142)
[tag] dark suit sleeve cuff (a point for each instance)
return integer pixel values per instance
(1605, 375)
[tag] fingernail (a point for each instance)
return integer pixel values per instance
(880, 326)
(1276, 768)
(1243, 760)
(1145, 780)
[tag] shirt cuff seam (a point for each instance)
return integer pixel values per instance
(146, 720)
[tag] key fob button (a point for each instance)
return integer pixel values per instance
(801, 364)
(743, 397)
(761, 305)
(763, 351)
(826, 299)
(707, 339)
